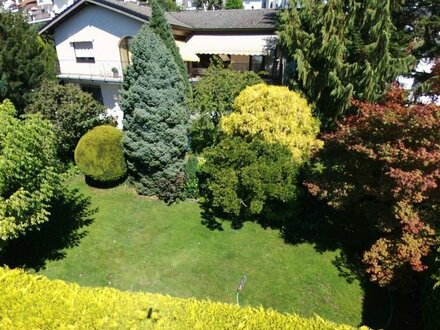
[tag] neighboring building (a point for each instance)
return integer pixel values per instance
(93, 39)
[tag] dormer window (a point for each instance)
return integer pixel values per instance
(84, 52)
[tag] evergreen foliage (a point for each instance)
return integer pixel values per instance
(234, 4)
(214, 96)
(99, 154)
(155, 115)
(35, 302)
(342, 50)
(275, 115)
(25, 59)
(387, 158)
(29, 172)
(71, 111)
(242, 180)
(159, 24)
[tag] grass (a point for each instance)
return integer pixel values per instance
(140, 244)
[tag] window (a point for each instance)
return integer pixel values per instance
(84, 52)
(125, 51)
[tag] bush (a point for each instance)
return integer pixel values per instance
(71, 111)
(247, 179)
(99, 154)
(276, 115)
(34, 302)
(192, 182)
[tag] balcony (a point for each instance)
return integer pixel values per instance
(89, 69)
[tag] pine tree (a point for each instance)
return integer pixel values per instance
(161, 27)
(156, 118)
(342, 50)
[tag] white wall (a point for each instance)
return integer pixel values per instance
(104, 28)
(252, 4)
(110, 97)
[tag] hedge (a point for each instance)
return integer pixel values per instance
(35, 302)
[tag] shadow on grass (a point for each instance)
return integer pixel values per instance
(70, 213)
(350, 233)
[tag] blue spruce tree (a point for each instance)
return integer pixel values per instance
(156, 118)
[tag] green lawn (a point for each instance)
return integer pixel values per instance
(141, 244)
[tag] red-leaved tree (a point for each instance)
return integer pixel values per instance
(384, 164)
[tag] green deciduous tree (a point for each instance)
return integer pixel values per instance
(208, 4)
(234, 4)
(25, 59)
(159, 24)
(381, 168)
(214, 96)
(71, 111)
(342, 50)
(29, 172)
(156, 118)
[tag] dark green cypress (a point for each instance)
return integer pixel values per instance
(342, 51)
(155, 116)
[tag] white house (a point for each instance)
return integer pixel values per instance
(93, 39)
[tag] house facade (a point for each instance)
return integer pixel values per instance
(93, 38)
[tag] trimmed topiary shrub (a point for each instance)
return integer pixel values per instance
(99, 155)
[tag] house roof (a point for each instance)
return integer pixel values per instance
(219, 20)
(234, 19)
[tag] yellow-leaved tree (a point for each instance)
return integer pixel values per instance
(275, 114)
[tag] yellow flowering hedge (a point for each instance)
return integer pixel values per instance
(276, 115)
(35, 302)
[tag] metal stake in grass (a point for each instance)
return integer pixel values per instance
(240, 287)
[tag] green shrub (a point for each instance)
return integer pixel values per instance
(99, 154)
(192, 182)
(242, 179)
(34, 302)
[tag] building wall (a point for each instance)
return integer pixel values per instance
(110, 98)
(104, 29)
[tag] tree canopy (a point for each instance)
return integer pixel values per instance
(29, 172)
(25, 59)
(71, 111)
(342, 50)
(214, 97)
(386, 158)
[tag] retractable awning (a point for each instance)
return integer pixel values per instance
(231, 44)
(186, 53)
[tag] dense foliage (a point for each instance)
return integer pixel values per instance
(159, 24)
(25, 59)
(387, 158)
(29, 176)
(342, 50)
(34, 302)
(208, 4)
(214, 96)
(71, 111)
(234, 4)
(242, 179)
(155, 117)
(99, 154)
(275, 115)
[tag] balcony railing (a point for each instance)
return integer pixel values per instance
(91, 70)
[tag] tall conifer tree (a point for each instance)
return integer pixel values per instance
(342, 51)
(158, 23)
(155, 116)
